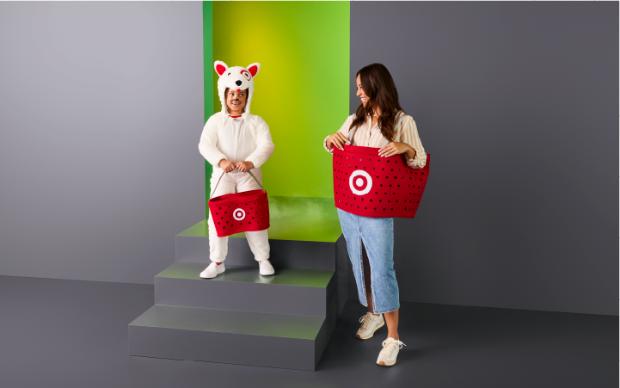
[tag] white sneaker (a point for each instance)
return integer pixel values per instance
(370, 324)
(387, 356)
(212, 270)
(265, 267)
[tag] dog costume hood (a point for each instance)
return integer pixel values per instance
(236, 77)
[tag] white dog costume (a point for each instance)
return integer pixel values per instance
(245, 138)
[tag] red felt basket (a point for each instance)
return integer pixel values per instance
(368, 185)
(240, 212)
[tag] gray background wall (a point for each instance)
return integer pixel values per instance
(101, 109)
(518, 105)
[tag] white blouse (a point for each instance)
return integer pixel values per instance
(367, 135)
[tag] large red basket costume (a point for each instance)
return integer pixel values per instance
(369, 185)
(240, 212)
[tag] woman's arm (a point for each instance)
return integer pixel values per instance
(408, 143)
(339, 137)
(409, 135)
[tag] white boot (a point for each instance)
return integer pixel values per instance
(370, 324)
(212, 270)
(387, 356)
(265, 267)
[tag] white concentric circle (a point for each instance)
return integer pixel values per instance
(360, 182)
(239, 214)
(246, 74)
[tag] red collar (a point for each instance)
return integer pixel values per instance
(234, 117)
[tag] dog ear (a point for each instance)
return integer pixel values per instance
(220, 67)
(254, 68)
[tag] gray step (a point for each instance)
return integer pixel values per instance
(236, 337)
(283, 253)
(289, 291)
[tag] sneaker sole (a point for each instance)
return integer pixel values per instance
(211, 277)
(382, 363)
(371, 334)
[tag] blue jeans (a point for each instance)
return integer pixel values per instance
(377, 235)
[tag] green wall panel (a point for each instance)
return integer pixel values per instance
(207, 39)
(302, 90)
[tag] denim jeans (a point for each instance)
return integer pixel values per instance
(377, 235)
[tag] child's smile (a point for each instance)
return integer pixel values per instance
(235, 100)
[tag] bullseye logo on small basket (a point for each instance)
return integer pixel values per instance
(360, 182)
(239, 214)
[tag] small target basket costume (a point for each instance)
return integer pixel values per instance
(240, 212)
(366, 184)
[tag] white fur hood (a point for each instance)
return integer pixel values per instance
(236, 77)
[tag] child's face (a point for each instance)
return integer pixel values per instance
(235, 100)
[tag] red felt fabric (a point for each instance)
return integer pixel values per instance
(368, 185)
(220, 69)
(240, 212)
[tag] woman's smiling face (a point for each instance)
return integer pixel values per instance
(235, 100)
(360, 92)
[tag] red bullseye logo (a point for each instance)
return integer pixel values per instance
(360, 182)
(239, 214)
(246, 74)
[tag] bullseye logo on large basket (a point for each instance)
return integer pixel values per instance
(360, 182)
(239, 214)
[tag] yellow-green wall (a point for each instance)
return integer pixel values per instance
(302, 90)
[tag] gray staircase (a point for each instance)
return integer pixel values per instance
(288, 291)
(283, 253)
(241, 317)
(234, 337)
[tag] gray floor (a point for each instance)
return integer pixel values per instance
(64, 333)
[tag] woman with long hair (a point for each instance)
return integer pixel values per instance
(379, 122)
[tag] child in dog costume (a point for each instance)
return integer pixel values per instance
(235, 141)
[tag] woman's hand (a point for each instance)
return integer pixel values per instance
(226, 165)
(244, 166)
(394, 148)
(338, 140)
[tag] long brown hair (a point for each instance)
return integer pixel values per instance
(379, 86)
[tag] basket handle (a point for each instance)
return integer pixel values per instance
(218, 182)
(261, 186)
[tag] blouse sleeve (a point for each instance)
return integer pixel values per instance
(344, 130)
(409, 135)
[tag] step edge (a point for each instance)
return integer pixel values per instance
(233, 281)
(271, 239)
(226, 332)
(328, 281)
(134, 324)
